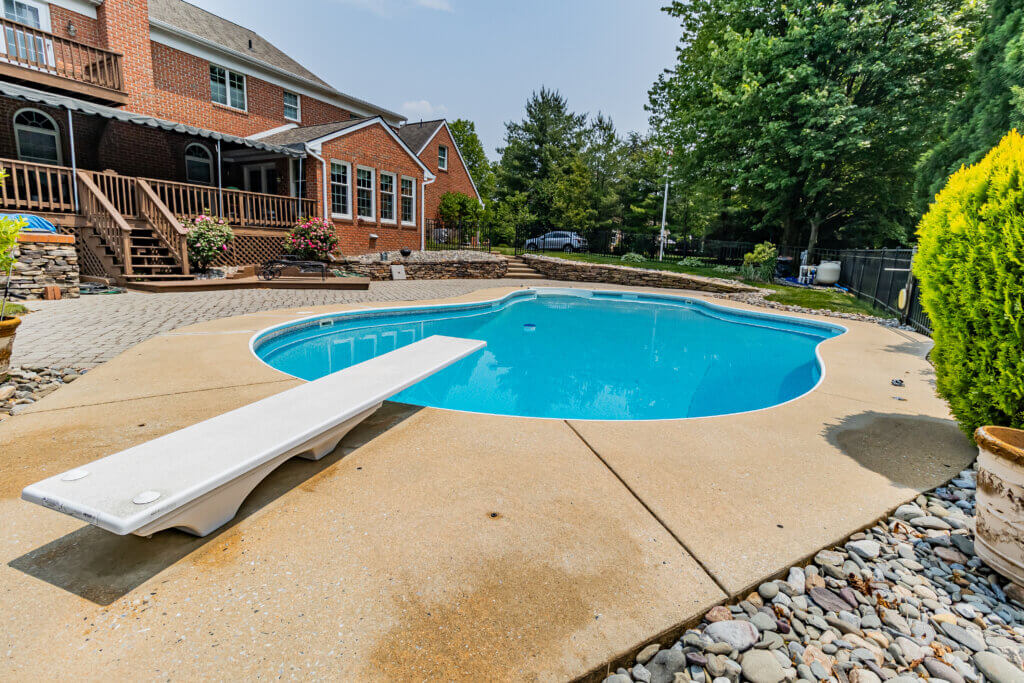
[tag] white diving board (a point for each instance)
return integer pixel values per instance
(196, 478)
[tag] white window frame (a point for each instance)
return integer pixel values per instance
(412, 196)
(446, 155)
(55, 132)
(330, 190)
(294, 181)
(373, 193)
(44, 13)
(395, 189)
(298, 106)
(208, 159)
(227, 88)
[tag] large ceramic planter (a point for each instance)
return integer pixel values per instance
(999, 533)
(7, 328)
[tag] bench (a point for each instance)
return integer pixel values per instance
(196, 478)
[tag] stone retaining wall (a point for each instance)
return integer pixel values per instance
(580, 271)
(422, 267)
(43, 259)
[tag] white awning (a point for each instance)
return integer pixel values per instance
(20, 92)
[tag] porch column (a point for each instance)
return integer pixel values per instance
(74, 164)
(220, 185)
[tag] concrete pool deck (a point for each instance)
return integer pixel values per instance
(443, 545)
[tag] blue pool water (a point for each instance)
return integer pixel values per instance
(576, 354)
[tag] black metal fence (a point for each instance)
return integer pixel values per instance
(441, 236)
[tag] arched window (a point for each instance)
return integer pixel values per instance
(37, 137)
(198, 164)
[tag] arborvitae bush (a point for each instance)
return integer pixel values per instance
(971, 268)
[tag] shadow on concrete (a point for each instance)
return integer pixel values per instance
(912, 451)
(102, 567)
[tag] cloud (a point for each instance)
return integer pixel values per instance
(388, 8)
(422, 109)
(441, 5)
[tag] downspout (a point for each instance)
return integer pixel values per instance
(423, 210)
(74, 165)
(323, 183)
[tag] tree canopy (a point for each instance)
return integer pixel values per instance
(806, 117)
(479, 166)
(993, 105)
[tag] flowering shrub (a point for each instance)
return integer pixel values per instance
(207, 238)
(312, 239)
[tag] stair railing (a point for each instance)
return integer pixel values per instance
(106, 220)
(167, 228)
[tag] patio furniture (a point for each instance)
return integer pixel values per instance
(196, 478)
(274, 267)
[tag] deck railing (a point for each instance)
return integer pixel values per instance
(240, 208)
(37, 187)
(44, 52)
(163, 222)
(106, 220)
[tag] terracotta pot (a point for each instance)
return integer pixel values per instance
(999, 533)
(7, 328)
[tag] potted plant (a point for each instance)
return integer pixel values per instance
(1000, 500)
(207, 239)
(9, 229)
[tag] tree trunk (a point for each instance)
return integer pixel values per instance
(813, 240)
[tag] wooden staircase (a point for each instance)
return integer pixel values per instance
(145, 247)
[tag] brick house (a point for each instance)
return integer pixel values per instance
(118, 117)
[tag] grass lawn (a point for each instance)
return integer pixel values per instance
(827, 300)
(13, 309)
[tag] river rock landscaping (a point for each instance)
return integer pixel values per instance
(905, 600)
(27, 384)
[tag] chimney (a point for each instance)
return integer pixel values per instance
(124, 27)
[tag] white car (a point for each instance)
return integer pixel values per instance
(558, 240)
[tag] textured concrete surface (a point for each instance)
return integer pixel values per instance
(441, 545)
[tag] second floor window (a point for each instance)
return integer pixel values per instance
(227, 87)
(387, 197)
(408, 200)
(291, 106)
(364, 192)
(442, 158)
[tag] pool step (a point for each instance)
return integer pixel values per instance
(518, 270)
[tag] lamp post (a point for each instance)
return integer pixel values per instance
(664, 208)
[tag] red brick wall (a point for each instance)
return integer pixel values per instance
(375, 148)
(87, 29)
(455, 179)
(124, 27)
(182, 93)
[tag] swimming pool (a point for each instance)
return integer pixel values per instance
(575, 354)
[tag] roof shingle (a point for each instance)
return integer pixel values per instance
(302, 134)
(416, 134)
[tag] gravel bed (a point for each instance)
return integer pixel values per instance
(905, 600)
(758, 299)
(442, 256)
(27, 384)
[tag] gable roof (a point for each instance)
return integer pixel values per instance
(303, 134)
(417, 135)
(315, 136)
(185, 18)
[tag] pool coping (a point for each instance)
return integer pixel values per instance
(664, 480)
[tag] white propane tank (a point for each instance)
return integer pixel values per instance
(828, 273)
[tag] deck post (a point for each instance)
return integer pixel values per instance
(220, 185)
(74, 165)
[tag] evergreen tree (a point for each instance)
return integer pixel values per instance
(993, 105)
(477, 163)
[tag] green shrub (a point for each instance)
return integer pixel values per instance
(760, 263)
(312, 239)
(9, 229)
(692, 262)
(207, 239)
(726, 270)
(632, 257)
(971, 267)
(455, 208)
